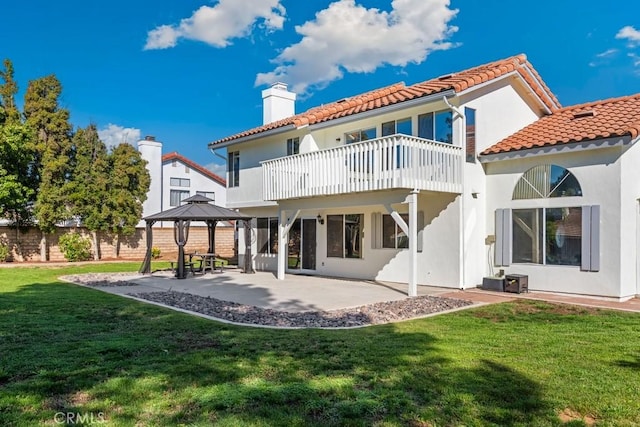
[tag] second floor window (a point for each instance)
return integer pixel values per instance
(233, 167)
(470, 134)
(293, 146)
(180, 182)
(402, 126)
(360, 135)
(436, 126)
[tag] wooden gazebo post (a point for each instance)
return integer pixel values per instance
(181, 235)
(145, 268)
(248, 257)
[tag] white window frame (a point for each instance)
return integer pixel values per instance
(293, 146)
(590, 243)
(183, 195)
(180, 182)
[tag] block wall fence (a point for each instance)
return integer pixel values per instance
(131, 247)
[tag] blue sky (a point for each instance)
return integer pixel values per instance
(190, 72)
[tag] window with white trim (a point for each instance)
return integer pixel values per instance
(402, 126)
(549, 236)
(360, 135)
(392, 235)
(387, 234)
(566, 235)
(267, 235)
(436, 126)
(470, 134)
(180, 182)
(177, 196)
(293, 146)
(546, 181)
(233, 169)
(344, 236)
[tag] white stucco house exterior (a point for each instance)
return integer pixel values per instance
(175, 178)
(443, 183)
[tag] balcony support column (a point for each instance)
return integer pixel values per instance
(284, 225)
(411, 230)
(412, 200)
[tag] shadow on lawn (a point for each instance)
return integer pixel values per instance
(634, 364)
(70, 349)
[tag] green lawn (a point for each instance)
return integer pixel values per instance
(67, 349)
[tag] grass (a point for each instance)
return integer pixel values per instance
(68, 349)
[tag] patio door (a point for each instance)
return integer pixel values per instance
(301, 250)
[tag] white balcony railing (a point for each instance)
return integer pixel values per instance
(397, 161)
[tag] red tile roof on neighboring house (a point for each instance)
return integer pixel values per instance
(398, 92)
(206, 172)
(595, 120)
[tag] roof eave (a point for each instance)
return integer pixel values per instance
(511, 74)
(271, 132)
(592, 144)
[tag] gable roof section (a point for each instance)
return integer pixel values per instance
(614, 117)
(397, 93)
(193, 165)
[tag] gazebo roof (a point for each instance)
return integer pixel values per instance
(197, 208)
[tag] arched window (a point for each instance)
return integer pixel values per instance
(545, 181)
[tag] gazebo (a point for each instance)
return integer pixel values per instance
(196, 208)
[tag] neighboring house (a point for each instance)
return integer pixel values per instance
(174, 178)
(444, 182)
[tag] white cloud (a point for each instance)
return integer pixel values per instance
(347, 37)
(603, 58)
(217, 25)
(630, 34)
(113, 135)
(219, 169)
(607, 53)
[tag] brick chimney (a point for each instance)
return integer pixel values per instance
(278, 103)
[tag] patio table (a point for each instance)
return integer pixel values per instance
(207, 262)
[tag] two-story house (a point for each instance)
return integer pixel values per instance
(443, 182)
(175, 178)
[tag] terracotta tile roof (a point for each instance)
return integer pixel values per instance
(193, 165)
(614, 117)
(398, 92)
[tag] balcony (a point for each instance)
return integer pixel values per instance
(397, 161)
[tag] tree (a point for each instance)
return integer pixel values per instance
(8, 90)
(16, 193)
(88, 186)
(51, 145)
(17, 188)
(128, 187)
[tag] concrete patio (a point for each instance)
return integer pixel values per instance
(297, 293)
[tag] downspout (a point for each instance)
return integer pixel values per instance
(215, 153)
(461, 234)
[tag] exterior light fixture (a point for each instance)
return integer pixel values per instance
(320, 219)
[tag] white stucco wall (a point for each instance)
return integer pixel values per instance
(450, 257)
(198, 182)
(599, 174)
(630, 222)
(437, 263)
(501, 110)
